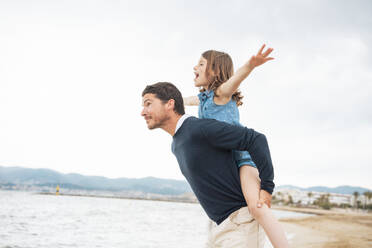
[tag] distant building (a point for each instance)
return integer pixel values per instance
(308, 197)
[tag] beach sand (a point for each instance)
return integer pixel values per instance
(329, 229)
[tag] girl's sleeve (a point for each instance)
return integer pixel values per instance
(231, 137)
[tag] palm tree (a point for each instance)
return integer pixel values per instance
(310, 194)
(280, 196)
(356, 195)
(365, 193)
(367, 197)
(290, 199)
(323, 201)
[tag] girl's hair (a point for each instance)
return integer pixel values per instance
(221, 65)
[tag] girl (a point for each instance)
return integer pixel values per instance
(219, 99)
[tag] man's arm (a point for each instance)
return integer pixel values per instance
(230, 137)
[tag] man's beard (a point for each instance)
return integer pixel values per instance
(160, 123)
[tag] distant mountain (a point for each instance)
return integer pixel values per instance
(46, 177)
(10, 176)
(337, 190)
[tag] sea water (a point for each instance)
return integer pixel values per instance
(30, 220)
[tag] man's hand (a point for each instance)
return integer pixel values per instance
(265, 198)
(260, 58)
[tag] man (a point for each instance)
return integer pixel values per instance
(203, 148)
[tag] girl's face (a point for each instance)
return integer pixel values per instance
(201, 79)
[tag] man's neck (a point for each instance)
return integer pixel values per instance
(171, 124)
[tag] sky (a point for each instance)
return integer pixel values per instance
(72, 74)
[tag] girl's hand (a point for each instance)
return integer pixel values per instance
(227, 89)
(260, 58)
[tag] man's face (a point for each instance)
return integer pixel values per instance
(154, 111)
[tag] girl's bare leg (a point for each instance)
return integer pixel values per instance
(250, 184)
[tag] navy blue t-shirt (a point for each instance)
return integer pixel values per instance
(203, 148)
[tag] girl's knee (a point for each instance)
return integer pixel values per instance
(255, 211)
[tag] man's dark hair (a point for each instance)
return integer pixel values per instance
(166, 91)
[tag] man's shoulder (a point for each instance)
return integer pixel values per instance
(192, 126)
(211, 123)
(197, 120)
(209, 127)
(194, 122)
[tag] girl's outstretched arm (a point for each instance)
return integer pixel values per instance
(227, 89)
(191, 101)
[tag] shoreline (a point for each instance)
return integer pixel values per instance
(180, 200)
(335, 228)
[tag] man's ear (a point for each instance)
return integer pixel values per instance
(170, 104)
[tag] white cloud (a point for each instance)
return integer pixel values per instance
(72, 73)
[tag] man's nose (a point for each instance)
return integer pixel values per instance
(143, 112)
